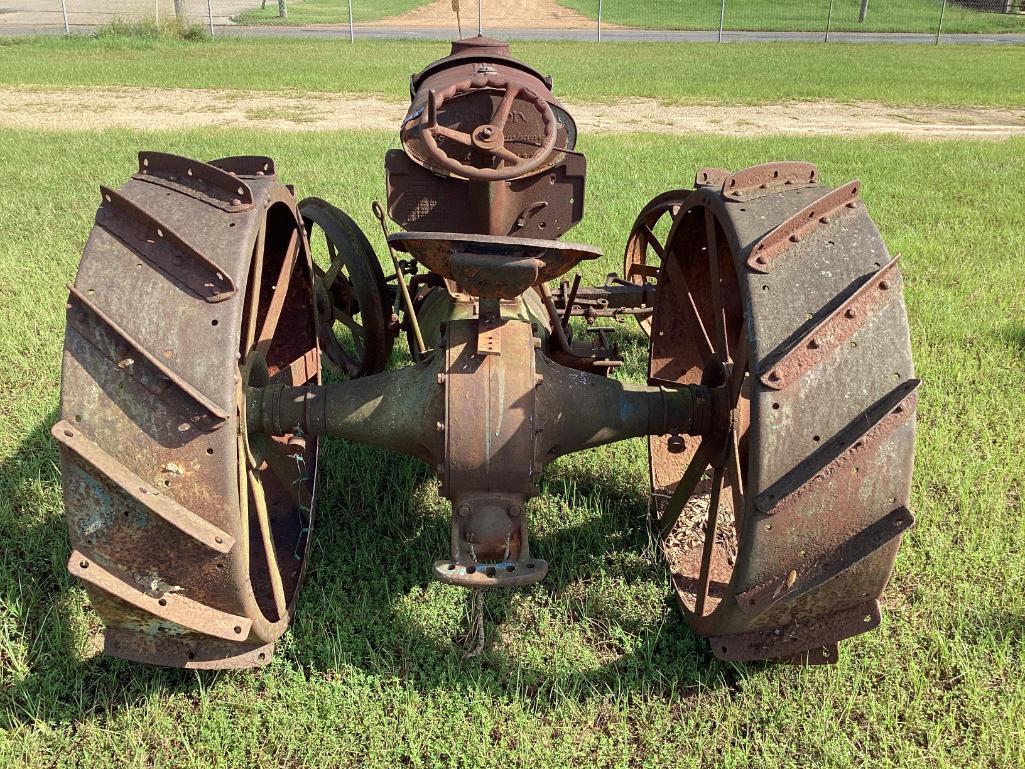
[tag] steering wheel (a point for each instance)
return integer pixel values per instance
(490, 137)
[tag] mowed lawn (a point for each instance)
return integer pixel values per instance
(699, 73)
(799, 15)
(594, 666)
(332, 12)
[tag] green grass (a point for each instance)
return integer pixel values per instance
(331, 12)
(592, 667)
(698, 73)
(799, 15)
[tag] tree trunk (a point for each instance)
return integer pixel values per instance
(863, 12)
(179, 10)
(282, 9)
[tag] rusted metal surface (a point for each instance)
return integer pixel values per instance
(149, 440)
(469, 88)
(824, 453)
(779, 407)
(159, 245)
(146, 494)
(767, 179)
(542, 205)
(838, 460)
(817, 345)
(489, 266)
(785, 237)
(798, 637)
(202, 181)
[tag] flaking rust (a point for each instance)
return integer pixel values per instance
(193, 403)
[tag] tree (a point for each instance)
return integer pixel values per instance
(179, 10)
(282, 9)
(863, 12)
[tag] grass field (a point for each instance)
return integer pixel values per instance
(798, 15)
(328, 11)
(593, 667)
(961, 75)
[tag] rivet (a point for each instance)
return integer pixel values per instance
(464, 510)
(795, 238)
(773, 376)
(440, 427)
(814, 344)
(761, 260)
(515, 511)
(851, 313)
(824, 219)
(884, 285)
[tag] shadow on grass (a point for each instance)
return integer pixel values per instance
(368, 603)
(1013, 334)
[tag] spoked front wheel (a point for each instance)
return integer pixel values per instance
(782, 525)
(352, 296)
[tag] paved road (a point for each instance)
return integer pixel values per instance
(622, 35)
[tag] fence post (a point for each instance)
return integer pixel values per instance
(599, 20)
(352, 32)
(829, 20)
(939, 29)
(722, 16)
(64, 12)
(156, 12)
(210, 15)
(480, 17)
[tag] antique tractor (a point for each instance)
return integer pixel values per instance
(779, 406)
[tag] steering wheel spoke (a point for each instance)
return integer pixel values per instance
(507, 155)
(501, 115)
(450, 133)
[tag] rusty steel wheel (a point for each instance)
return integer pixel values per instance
(190, 539)
(782, 526)
(352, 295)
(648, 238)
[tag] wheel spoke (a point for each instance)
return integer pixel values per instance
(256, 281)
(300, 371)
(336, 264)
(684, 489)
(709, 548)
(260, 503)
(736, 479)
(502, 113)
(350, 323)
(718, 306)
(507, 155)
(653, 241)
(676, 276)
(334, 351)
(454, 135)
(741, 352)
(283, 468)
(277, 301)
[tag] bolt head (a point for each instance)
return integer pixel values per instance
(676, 444)
(851, 313)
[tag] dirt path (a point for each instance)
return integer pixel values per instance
(507, 14)
(78, 109)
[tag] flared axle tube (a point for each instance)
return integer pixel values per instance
(404, 410)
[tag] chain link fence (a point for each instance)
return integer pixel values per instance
(574, 19)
